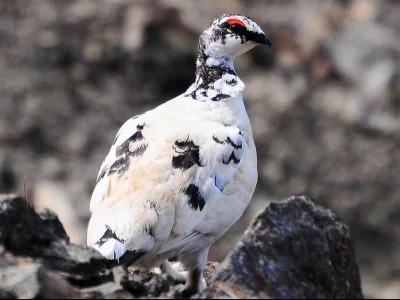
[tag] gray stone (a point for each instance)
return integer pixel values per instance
(293, 250)
(21, 280)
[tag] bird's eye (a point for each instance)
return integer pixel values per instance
(236, 25)
(236, 28)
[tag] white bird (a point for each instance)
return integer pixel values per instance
(179, 176)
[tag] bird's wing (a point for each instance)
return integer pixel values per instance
(161, 180)
(128, 143)
(123, 213)
(210, 160)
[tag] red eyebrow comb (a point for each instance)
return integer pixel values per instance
(235, 21)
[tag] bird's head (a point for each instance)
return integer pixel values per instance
(230, 35)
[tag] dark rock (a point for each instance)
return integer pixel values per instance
(32, 234)
(21, 280)
(145, 283)
(293, 250)
(6, 295)
(110, 290)
(34, 245)
(8, 180)
(51, 222)
(37, 261)
(41, 235)
(55, 286)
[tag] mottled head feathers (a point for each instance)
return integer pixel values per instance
(231, 35)
(227, 37)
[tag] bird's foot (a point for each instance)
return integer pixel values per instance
(176, 271)
(187, 290)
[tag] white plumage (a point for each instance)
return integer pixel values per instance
(179, 176)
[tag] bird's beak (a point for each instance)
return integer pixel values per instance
(264, 40)
(259, 38)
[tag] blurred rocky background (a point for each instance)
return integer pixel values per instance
(324, 104)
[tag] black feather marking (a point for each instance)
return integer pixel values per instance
(124, 147)
(116, 137)
(231, 157)
(109, 234)
(150, 231)
(120, 165)
(217, 140)
(147, 227)
(236, 147)
(228, 140)
(196, 201)
(220, 97)
(187, 155)
(128, 258)
(232, 82)
(102, 174)
(131, 256)
(139, 151)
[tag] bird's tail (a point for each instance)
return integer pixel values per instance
(113, 249)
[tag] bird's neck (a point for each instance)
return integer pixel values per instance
(216, 78)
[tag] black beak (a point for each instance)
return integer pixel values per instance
(266, 41)
(258, 38)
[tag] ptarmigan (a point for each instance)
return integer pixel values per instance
(179, 176)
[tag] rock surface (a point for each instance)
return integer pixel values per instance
(37, 261)
(294, 249)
